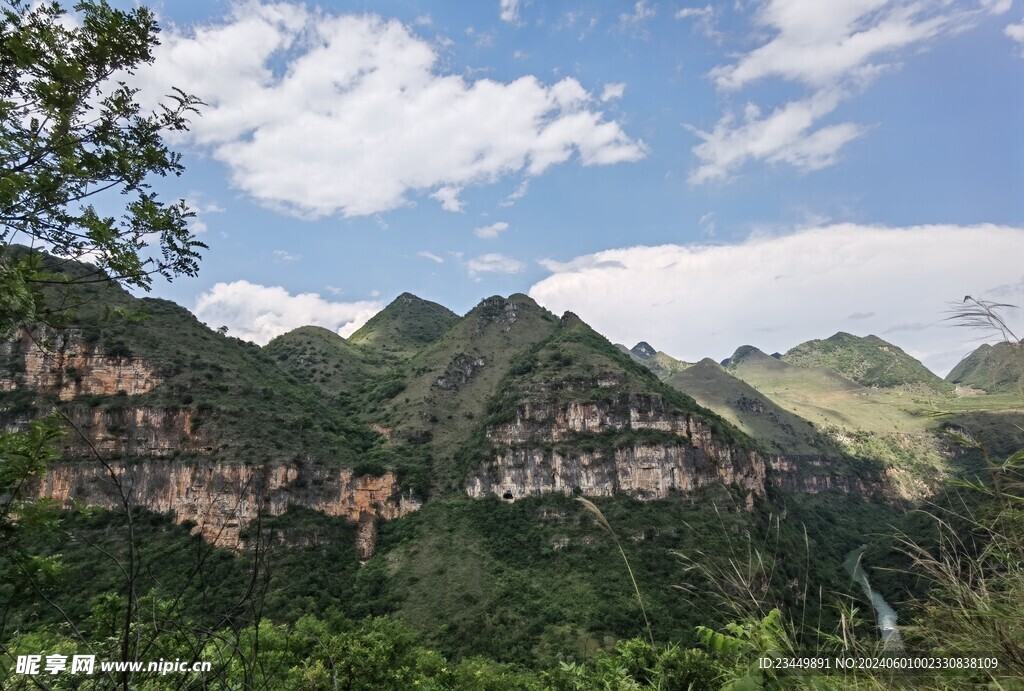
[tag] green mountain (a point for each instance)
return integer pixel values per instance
(325, 360)
(404, 326)
(662, 364)
(744, 406)
(867, 360)
(995, 368)
(145, 376)
(492, 423)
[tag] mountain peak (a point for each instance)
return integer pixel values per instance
(995, 368)
(744, 352)
(643, 349)
(407, 324)
(867, 360)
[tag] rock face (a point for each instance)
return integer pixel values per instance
(543, 451)
(62, 364)
(221, 499)
(135, 431)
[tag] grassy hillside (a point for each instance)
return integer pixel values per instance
(325, 360)
(995, 368)
(868, 360)
(404, 326)
(776, 428)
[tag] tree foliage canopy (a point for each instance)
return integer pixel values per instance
(72, 132)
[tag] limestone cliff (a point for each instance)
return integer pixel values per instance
(542, 451)
(60, 363)
(221, 499)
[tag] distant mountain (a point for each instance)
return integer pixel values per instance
(662, 364)
(995, 368)
(766, 372)
(741, 404)
(405, 326)
(867, 360)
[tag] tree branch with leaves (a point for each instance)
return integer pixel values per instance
(72, 132)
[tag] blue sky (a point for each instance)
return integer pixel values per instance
(697, 176)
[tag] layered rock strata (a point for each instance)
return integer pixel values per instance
(221, 499)
(545, 449)
(60, 363)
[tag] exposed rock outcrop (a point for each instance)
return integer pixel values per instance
(221, 499)
(543, 451)
(136, 431)
(62, 364)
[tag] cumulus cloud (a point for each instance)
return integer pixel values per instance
(494, 263)
(449, 198)
(696, 301)
(258, 313)
(820, 44)
(318, 114)
(509, 10)
(612, 91)
(835, 50)
(786, 135)
(1015, 32)
(491, 231)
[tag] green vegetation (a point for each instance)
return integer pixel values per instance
(995, 368)
(238, 399)
(404, 327)
(68, 132)
(779, 430)
(662, 364)
(327, 362)
(868, 360)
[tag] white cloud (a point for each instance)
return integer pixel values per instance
(431, 256)
(449, 198)
(518, 193)
(491, 231)
(509, 10)
(996, 6)
(318, 114)
(707, 224)
(612, 91)
(259, 313)
(703, 18)
(494, 263)
(835, 49)
(786, 135)
(634, 22)
(287, 257)
(1016, 33)
(823, 43)
(696, 301)
(689, 12)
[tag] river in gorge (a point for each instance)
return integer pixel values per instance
(885, 615)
